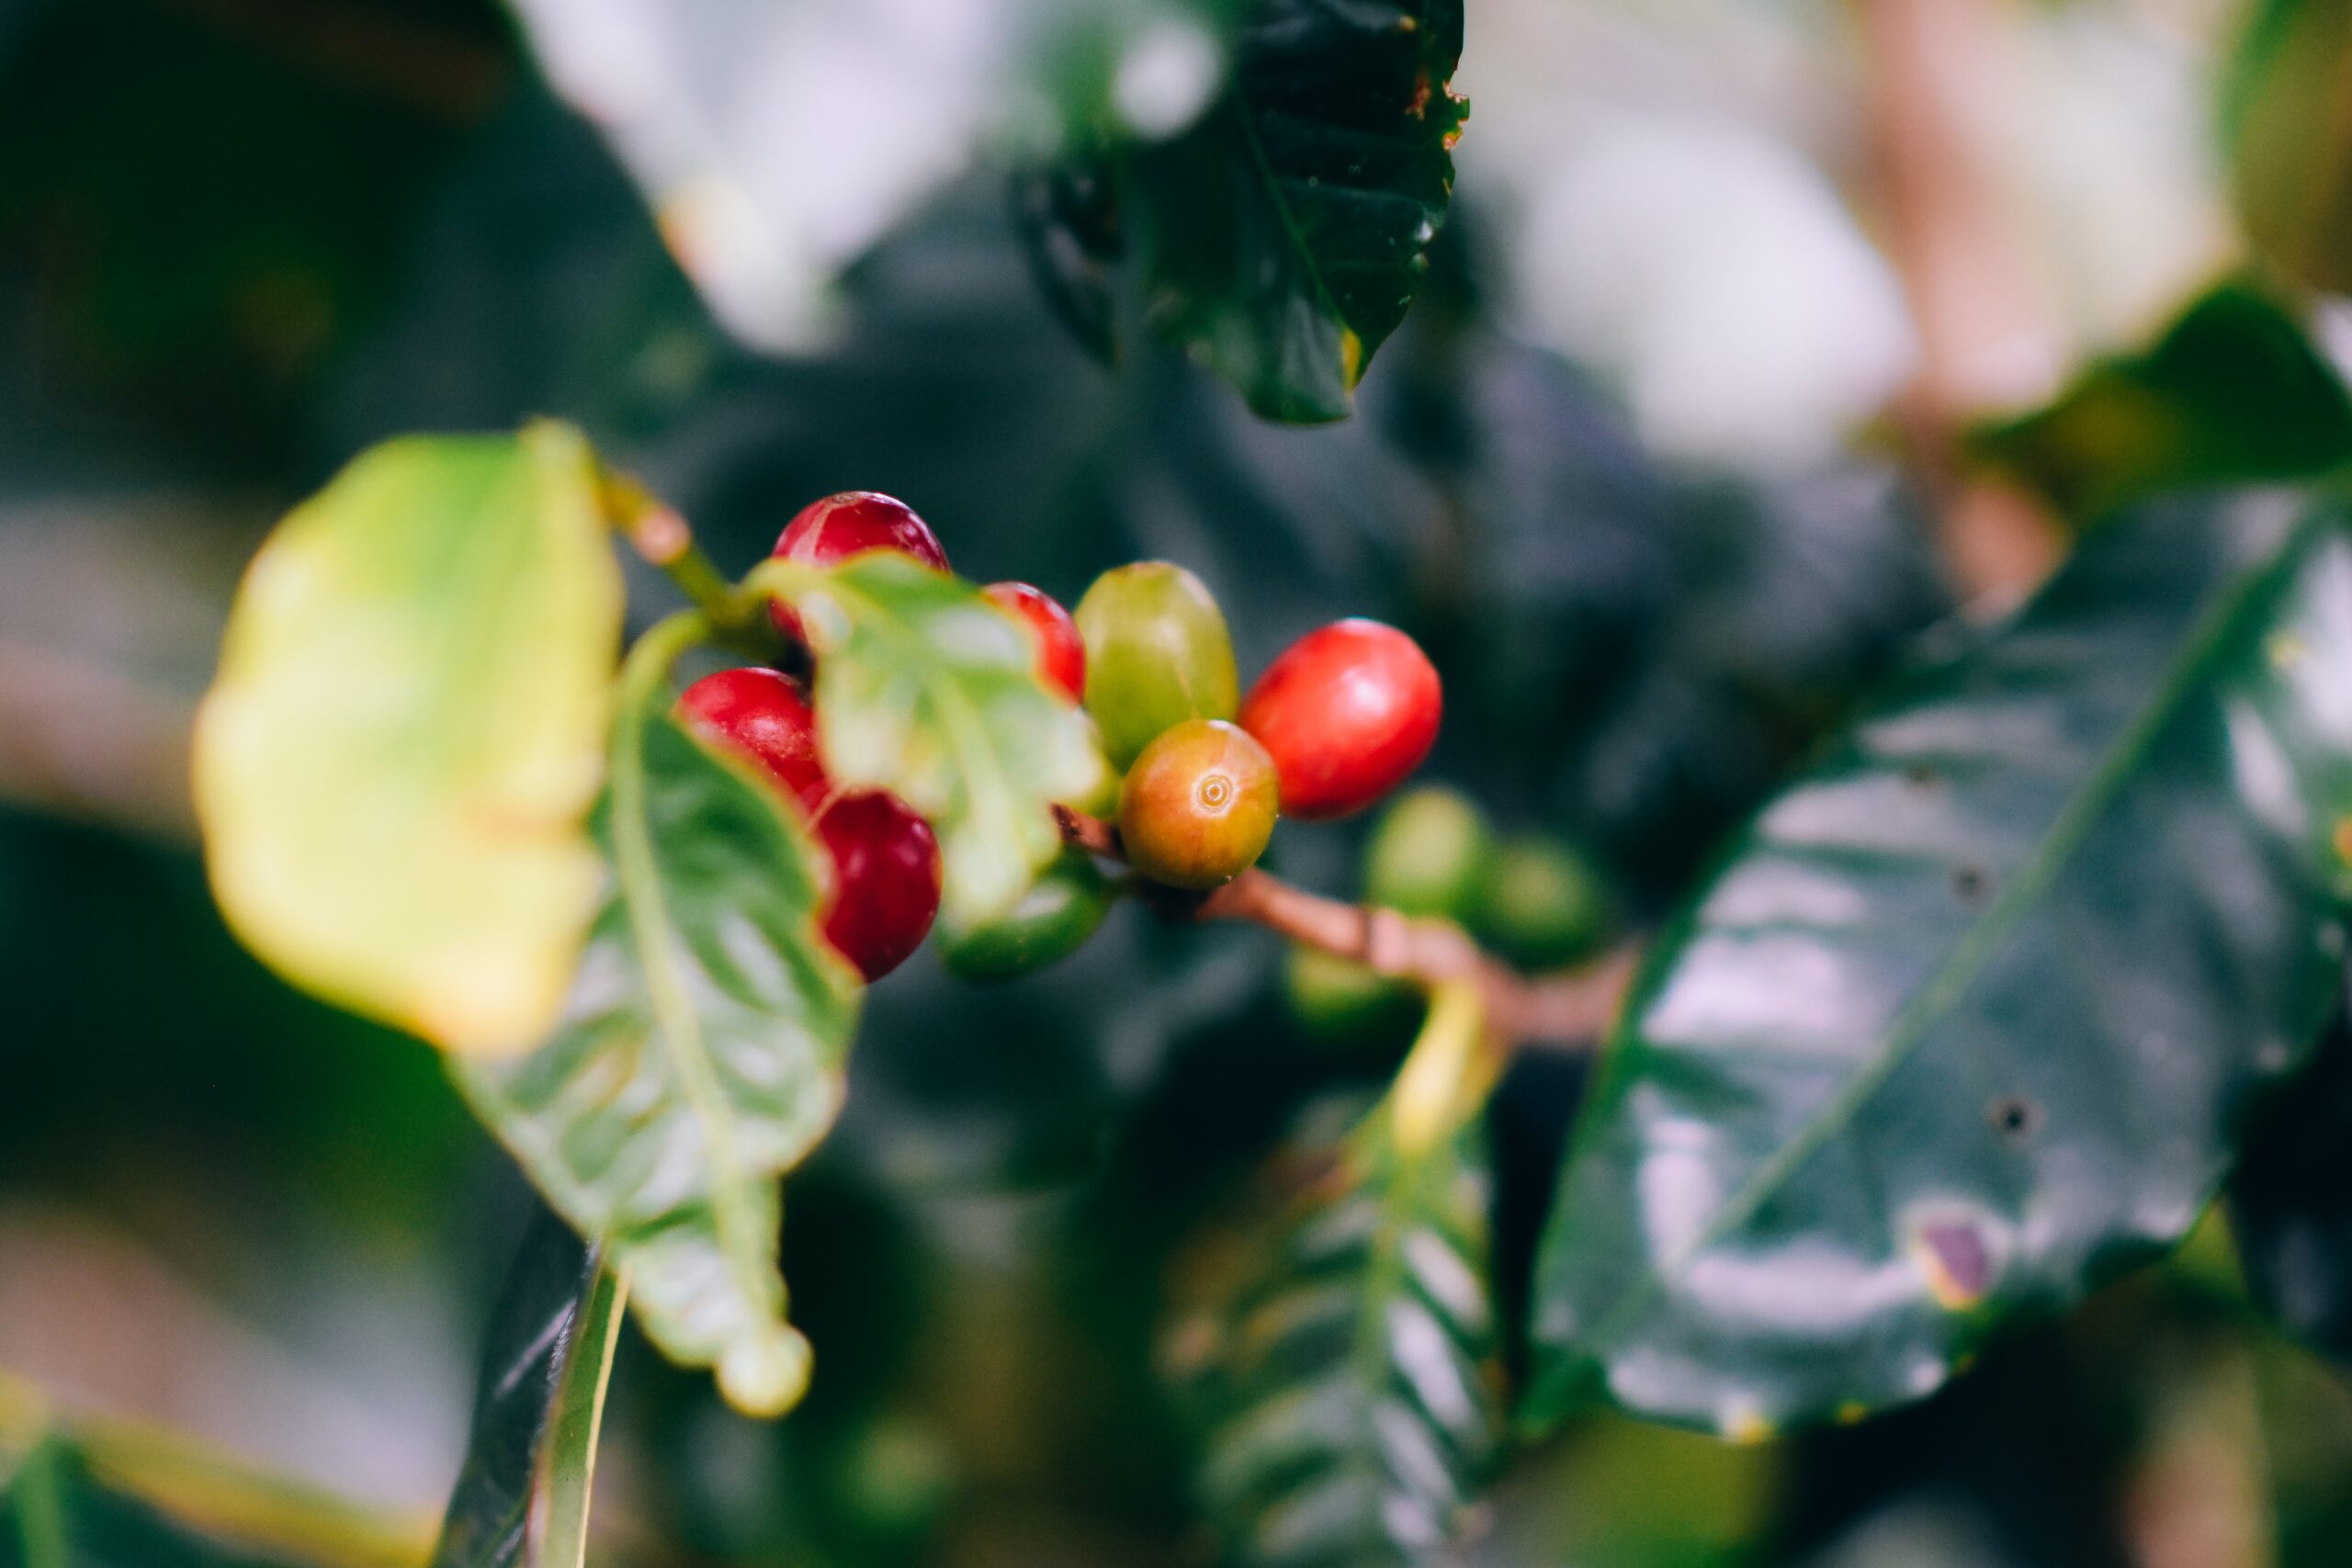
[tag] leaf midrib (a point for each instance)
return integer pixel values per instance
(2213, 628)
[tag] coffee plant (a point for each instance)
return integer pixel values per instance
(1824, 984)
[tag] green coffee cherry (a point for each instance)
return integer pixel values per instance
(1052, 921)
(1157, 653)
(1334, 997)
(1428, 855)
(1543, 904)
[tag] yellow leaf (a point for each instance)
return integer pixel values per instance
(394, 766)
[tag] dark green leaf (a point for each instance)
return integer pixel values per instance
(1347, 1389)
(2234, 392)
(1966, 1024)
(2287, 123)
(522, 1493)
(700, 1056)
(2291, 1199)
(1283, 237)
(1069, 223)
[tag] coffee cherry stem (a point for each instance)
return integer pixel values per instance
(1566, 1009)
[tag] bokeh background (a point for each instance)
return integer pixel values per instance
(1644, 471)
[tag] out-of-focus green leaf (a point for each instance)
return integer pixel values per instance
(394, 767)
(1067, 219)
(700, 1056)
(76, 1492)
(2287, 124)
(522, 1493)
(1347, 1389)
(2290, 1202)
(2234, 392)
(777, 141)
(924, 688)
(1283, 237)
(1966, 1024)
(1623, 1493)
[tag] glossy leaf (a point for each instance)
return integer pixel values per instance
(1347, 1388)
(699, 1057)
(777, 140)
(1966, 1024)
(2234, 392)
(924, 688)
(522, 1493)
(395, 765)
(2286, 120)
(1283, 237)
(2290, 1202)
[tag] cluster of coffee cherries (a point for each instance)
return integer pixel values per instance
(1334, 723)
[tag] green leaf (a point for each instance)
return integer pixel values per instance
(2286, 127)
(97, 1490)
(522, 1493)
(2290, 1206)
(1966, 1024)
(1347, 1389)
(2233, 391)
(394, 767)
(700, 1058)
(1283, 237)
(926, 689)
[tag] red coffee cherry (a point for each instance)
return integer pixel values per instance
(886, 861)
(1198, 805)
(1346, 712)
(1061, 653)
(884, 858)
(851, 524)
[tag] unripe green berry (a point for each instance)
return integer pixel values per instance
(1198, 805)
(1052, 921)
(1543, 903)
(1337, 999)
(1157, 653)
(1428, 855)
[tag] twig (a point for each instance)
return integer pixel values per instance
(1571, 1009)
(1984, 340)
(659, 534)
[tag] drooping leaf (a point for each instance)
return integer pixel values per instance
(777, 141)
(1281, 238)
(925, 689)
(2234, 391)
(1346, 1390)
(1966, 1024)
(394, 767)
(2286, 127)
(699, 1057)
(522, 1493)
(2290, 1202)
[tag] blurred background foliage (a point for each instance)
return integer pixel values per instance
(1634, 469)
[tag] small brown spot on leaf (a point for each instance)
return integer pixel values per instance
(2014, 1116)
(1970, 882)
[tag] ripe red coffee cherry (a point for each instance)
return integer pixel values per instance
(851, 524)
(1198, 805)
(1061, 653)
(1346, 712)
(885, 857)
